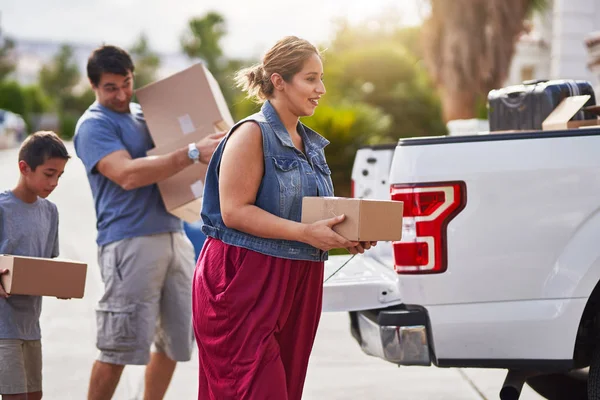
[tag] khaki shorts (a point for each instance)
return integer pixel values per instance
(20, 366)
(147, 299)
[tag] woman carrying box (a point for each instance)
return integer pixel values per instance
(258, 282)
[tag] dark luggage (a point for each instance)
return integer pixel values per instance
(526, 106)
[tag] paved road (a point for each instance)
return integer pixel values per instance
(338, 369)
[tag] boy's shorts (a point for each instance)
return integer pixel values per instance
(147, 299)
(20, 366)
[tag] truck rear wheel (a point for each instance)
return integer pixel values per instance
(562, 386)
(594, 378)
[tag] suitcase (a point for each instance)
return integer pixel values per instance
(526, 106)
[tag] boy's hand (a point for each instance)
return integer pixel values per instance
(2, 292)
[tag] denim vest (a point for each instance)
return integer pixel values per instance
(289, 175)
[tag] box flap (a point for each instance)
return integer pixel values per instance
(565, 111)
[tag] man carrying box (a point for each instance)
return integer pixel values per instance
(145, 259)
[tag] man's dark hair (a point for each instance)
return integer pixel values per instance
(40, 147)
(110, 59)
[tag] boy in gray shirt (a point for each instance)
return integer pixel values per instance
(28, 227)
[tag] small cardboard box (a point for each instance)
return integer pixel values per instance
(43, 276)
(560, 117)
(182, 192)
(366, 220)
(184, 103)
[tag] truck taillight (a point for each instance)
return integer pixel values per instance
(351, 187)
(428, 208)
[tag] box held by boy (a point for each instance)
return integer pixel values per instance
(43, 276)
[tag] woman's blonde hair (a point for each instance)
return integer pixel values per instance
(285, 58)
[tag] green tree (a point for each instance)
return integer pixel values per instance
(78, 103)
(7, 60)
(203, 40)
(28, 101)
(72, 106)
(468, 47)
(12, 97)
(37, 102)
(60, 76)
(381, 67)
(145, 60)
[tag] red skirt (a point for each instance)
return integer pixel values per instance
(255, 321)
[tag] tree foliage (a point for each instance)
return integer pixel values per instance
(146, 61)
(7, 61)
(203, 40)
(59, 77)
(468, 47)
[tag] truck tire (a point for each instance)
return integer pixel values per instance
(594, 378)
(561, 386)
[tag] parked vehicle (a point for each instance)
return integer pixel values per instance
(499, 265)
(13, 129)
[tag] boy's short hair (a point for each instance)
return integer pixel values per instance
(110, 59)
(41, 146)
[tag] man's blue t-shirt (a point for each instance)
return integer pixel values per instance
(120, 213)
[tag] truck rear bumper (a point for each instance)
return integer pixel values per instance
(397, 334)
(363, 283)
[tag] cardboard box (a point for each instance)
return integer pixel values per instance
(366, 220)
(43, 276)
(179, 110)
(560, 117)
(187, 102)
(182, 193)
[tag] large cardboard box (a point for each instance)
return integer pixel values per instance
(560, 117)
(179, 110)
(366, 220)
(187, 102)
(182, 193)
(43, 276)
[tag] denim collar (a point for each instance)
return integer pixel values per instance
(312, 140)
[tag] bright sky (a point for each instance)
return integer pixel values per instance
(253, 26)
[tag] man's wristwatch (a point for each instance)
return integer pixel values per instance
(193, 153)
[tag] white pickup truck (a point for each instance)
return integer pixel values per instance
(499, 263)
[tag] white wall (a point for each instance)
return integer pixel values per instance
(556, 47)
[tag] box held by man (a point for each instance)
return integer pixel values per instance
(187, 102)
(182, 109)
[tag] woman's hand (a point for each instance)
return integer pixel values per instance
(321, 235)
(361, 247)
